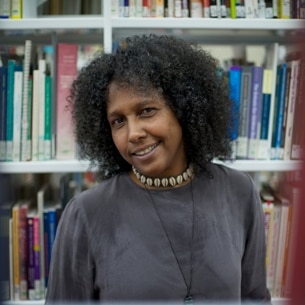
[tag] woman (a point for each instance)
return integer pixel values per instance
(165, 223)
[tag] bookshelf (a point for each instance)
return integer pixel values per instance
(202, 29)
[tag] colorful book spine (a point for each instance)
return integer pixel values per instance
(16, 9)
(18, 76)
(15, 240)
(3, 111)
(31, 260)
(23, 211)
(255, 112)
(48, 116)
(234, 87)
(10, 109)
(37, 258)
(41, 120)
(277, 145)
(66, 73)
(264, 140)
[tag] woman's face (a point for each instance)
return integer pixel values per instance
(146, 132)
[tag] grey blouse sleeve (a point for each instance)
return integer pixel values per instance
(253, 261)
(71, 269)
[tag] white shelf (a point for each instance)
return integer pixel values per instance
(83, 166)
(96, 21)
(66, 22)
(209, 23)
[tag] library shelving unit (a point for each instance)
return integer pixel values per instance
(108, 28)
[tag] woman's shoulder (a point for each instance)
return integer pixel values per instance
(104, 193)
(221, 172)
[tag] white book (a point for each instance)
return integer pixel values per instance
(41, 127)
(139, 7)
(251, 8)
(279, 267)
(35, 114)
(25, 142)
(17, 114)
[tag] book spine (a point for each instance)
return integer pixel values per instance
(5, 9)
(35, 115)
(66, 73)
(261, 9)
(273, 250)
(10, 109)
(132, 8)
(291, 108)
(139, 7)
(3, 111)
(284, 9)
(234, 87)
(16, 271)
(268, 209)
(255, 111)
(41, 120)
(265, 141)
(31, 261)
(16, 9)
(269, 9)
(37, 258)
(196, 9)
(23, 251)
(245, 97)
(280, 252)
(18, 76)
(48, 118)
(28, 153)
(275, 112)
(24, 156)
(206, 8)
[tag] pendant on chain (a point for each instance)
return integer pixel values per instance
(188, 299)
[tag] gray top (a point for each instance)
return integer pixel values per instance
(110, 244)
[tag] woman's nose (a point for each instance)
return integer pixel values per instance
(136, 131)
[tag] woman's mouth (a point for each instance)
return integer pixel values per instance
(146, 150)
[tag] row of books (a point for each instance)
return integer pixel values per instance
(32, 219)
(280, 209)
(35, 123)
(267, 99)
(284, 9)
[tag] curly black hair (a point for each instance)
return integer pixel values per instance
(189, 80)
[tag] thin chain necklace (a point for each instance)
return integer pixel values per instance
(188, 298)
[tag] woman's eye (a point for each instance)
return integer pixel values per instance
(148, 111)
(117, 122)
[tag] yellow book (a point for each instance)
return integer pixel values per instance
(16, 271)
(16, 9)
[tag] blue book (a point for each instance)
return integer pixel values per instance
(277, 149)
(234, 87)
(10, 109)
(3, 105)
(50, 225)
(255, 111)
